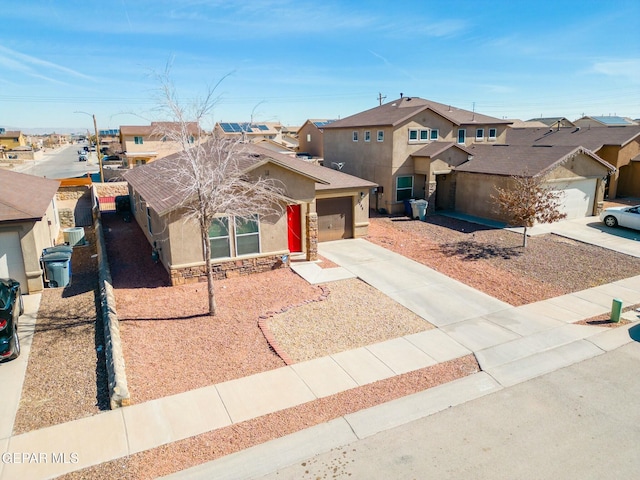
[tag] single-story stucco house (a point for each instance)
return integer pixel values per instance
(322, 204)
(29, 223)
(575, 171)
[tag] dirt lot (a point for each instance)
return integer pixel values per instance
(171, 345)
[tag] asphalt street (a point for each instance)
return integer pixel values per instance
(580, 422)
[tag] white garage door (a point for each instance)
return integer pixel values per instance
(577, 201)
(11, 262)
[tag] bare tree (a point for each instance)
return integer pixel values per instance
(528, 201)
(211, 173)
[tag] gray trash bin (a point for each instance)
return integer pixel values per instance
(57, 267)
(421, 209)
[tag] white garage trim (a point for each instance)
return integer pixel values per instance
(11, 260)
(578, 196)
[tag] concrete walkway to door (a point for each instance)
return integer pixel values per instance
(433, 296)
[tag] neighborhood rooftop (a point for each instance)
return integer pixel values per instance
(30, 195)
(592, 138)
(397, 111)
(508, 159)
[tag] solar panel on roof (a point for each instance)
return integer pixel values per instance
(322, 123)
(263, 127)
(226, 127)
(612, 120)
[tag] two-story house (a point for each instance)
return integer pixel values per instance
(310, 137)
(10, 139)
(145, 143)
(408, 147)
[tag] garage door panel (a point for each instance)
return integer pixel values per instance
(577, 197)
(335, 218)
(11, 260)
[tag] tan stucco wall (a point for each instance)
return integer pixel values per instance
(34, 236)
(296, 187)
(629, 180)
(580, 165)
(619, 157)
(314, 145)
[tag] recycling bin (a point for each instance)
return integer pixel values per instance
(57, 267)
(408, 207)
(420, 209)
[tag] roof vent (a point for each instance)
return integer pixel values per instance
(576, 130)
(400, 94)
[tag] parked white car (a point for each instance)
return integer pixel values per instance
(622, 216)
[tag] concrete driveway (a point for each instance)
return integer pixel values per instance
(591, 230)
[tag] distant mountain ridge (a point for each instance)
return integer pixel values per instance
(45, 130)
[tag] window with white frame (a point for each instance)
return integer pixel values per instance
(355, 136)
(381, 135)
(493, 133)
(462, 135)
(138, 140)
(367, 136)
(479, 134)
(242, 233)
(247, 236)
(418, 135)
(219, 238)
(308, 137)
(433, 134)
(404, 188)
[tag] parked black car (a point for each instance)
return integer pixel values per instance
(11, 307)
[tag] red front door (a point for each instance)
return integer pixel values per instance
(294, 225)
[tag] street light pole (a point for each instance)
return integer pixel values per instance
(95, 126)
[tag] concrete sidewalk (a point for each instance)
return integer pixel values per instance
(12, 373)
(511, 344)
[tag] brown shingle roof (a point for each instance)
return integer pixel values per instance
(402, 109)
(521, 159)
(10, 134)
(25, 197)
(592, 138)
(153, 180)
(436, 148)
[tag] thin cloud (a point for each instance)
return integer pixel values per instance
(392, 66)
(34, 66)
(628, 69)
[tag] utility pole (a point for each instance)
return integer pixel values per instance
(95, 126)
(381, 98)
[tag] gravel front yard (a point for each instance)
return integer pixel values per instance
(493, 260)
(171, 345)
(66, 374)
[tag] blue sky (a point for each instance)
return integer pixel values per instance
(287, 61)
